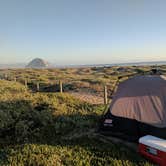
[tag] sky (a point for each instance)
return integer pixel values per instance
(82, 31)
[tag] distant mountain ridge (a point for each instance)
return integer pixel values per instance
(38, 63)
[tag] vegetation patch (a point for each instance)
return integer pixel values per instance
(47, 129)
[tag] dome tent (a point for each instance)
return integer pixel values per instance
(138, 108)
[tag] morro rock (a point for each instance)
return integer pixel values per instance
(38, 63)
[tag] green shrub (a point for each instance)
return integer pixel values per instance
(47, 129)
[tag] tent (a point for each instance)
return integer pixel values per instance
(138, 108)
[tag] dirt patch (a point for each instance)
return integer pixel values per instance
(90, 98)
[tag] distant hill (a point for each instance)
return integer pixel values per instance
(37, 63)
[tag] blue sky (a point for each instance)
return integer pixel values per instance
(82, 31)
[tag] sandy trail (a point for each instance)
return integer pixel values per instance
(87, 97)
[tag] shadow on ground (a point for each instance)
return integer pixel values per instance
(33, 136)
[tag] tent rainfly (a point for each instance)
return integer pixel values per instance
(138, 108)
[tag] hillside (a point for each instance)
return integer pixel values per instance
(37, 63)
(54, 129)
(78, 81)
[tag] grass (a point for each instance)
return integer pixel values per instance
(73, 78)
(48, 129)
